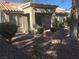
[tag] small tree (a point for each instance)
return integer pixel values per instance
(8, 30)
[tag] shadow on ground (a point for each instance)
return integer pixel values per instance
(9, 51)
(55, 45)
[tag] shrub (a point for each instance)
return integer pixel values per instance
(8, 30)
(40, 30)
(57, 25)
(52, 29)
(61, 25)
(68, 21)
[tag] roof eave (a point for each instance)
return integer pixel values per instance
(39, 5)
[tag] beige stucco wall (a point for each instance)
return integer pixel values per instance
(4, 17)
(22, 22)
(25, 24)
(31, 12)
(19, 22)
(27, 10)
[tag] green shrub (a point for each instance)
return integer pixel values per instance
(68, 21)
(61, 25)
(52, 29)
(57, 25)
(8, 30)
(40, 30)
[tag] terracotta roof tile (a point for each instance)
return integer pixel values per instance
(7, 6)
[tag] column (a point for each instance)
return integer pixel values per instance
(32, 19)
(52, 19)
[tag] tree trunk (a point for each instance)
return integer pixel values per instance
(74, 20)
(74, 29)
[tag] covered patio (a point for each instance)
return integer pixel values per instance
(39, 15)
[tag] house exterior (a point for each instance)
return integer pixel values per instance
(27, 15)
(62, 15)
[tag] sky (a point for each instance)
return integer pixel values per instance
(65, 5)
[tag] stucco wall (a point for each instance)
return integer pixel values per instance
(27, 10)
(22, 22)
(25, 24)
(4, 17)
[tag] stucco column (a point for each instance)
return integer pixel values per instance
(32, 19)
(52, 19)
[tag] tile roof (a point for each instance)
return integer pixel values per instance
(9, 6)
